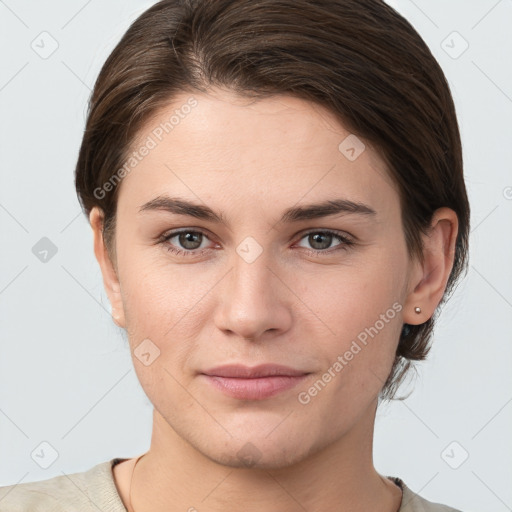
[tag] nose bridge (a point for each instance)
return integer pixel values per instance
(250, 304)
(251, 276)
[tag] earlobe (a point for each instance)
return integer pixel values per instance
(110, 277)
(428, 280)
(116, 302)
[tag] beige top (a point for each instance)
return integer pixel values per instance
(95, 490)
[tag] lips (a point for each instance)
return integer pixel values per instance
(253, 383)
(246, 372)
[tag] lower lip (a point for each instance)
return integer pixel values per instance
(257, 388)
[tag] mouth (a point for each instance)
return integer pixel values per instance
(253, 383)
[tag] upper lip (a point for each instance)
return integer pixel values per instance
(262, 370)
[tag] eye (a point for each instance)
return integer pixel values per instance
(322, 240)
(191, 242)
(188, 242)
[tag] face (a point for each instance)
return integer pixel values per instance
(250, 274)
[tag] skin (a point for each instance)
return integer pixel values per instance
(251, 160)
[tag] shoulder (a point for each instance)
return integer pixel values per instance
(90, 490)
(412, 502)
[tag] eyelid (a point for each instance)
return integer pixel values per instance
(337, 232)
(346, 240)
(173, 232)
(165, 237)
(170, 233)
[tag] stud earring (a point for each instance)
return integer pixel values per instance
(417, 309)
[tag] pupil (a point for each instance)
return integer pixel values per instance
(317, 236)
(189, 240)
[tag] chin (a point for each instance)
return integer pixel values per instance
(257, 453)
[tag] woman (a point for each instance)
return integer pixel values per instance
(277, 199)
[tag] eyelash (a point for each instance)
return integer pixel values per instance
(345, 244)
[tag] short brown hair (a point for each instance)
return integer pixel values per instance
(358, 58)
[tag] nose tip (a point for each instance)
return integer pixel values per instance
(251, 303)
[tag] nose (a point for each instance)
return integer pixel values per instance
(253, 301)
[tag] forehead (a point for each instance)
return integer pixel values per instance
(276, 150)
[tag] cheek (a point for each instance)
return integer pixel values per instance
(162, 321)
(164, 303)
(353, 298)
(362, 308)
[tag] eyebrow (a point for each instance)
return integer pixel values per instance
(294, 214)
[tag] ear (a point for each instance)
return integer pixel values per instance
(428, 279)
(110, 278)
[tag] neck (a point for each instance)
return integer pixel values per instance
(174, 476)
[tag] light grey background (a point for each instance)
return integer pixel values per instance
(66, 376)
